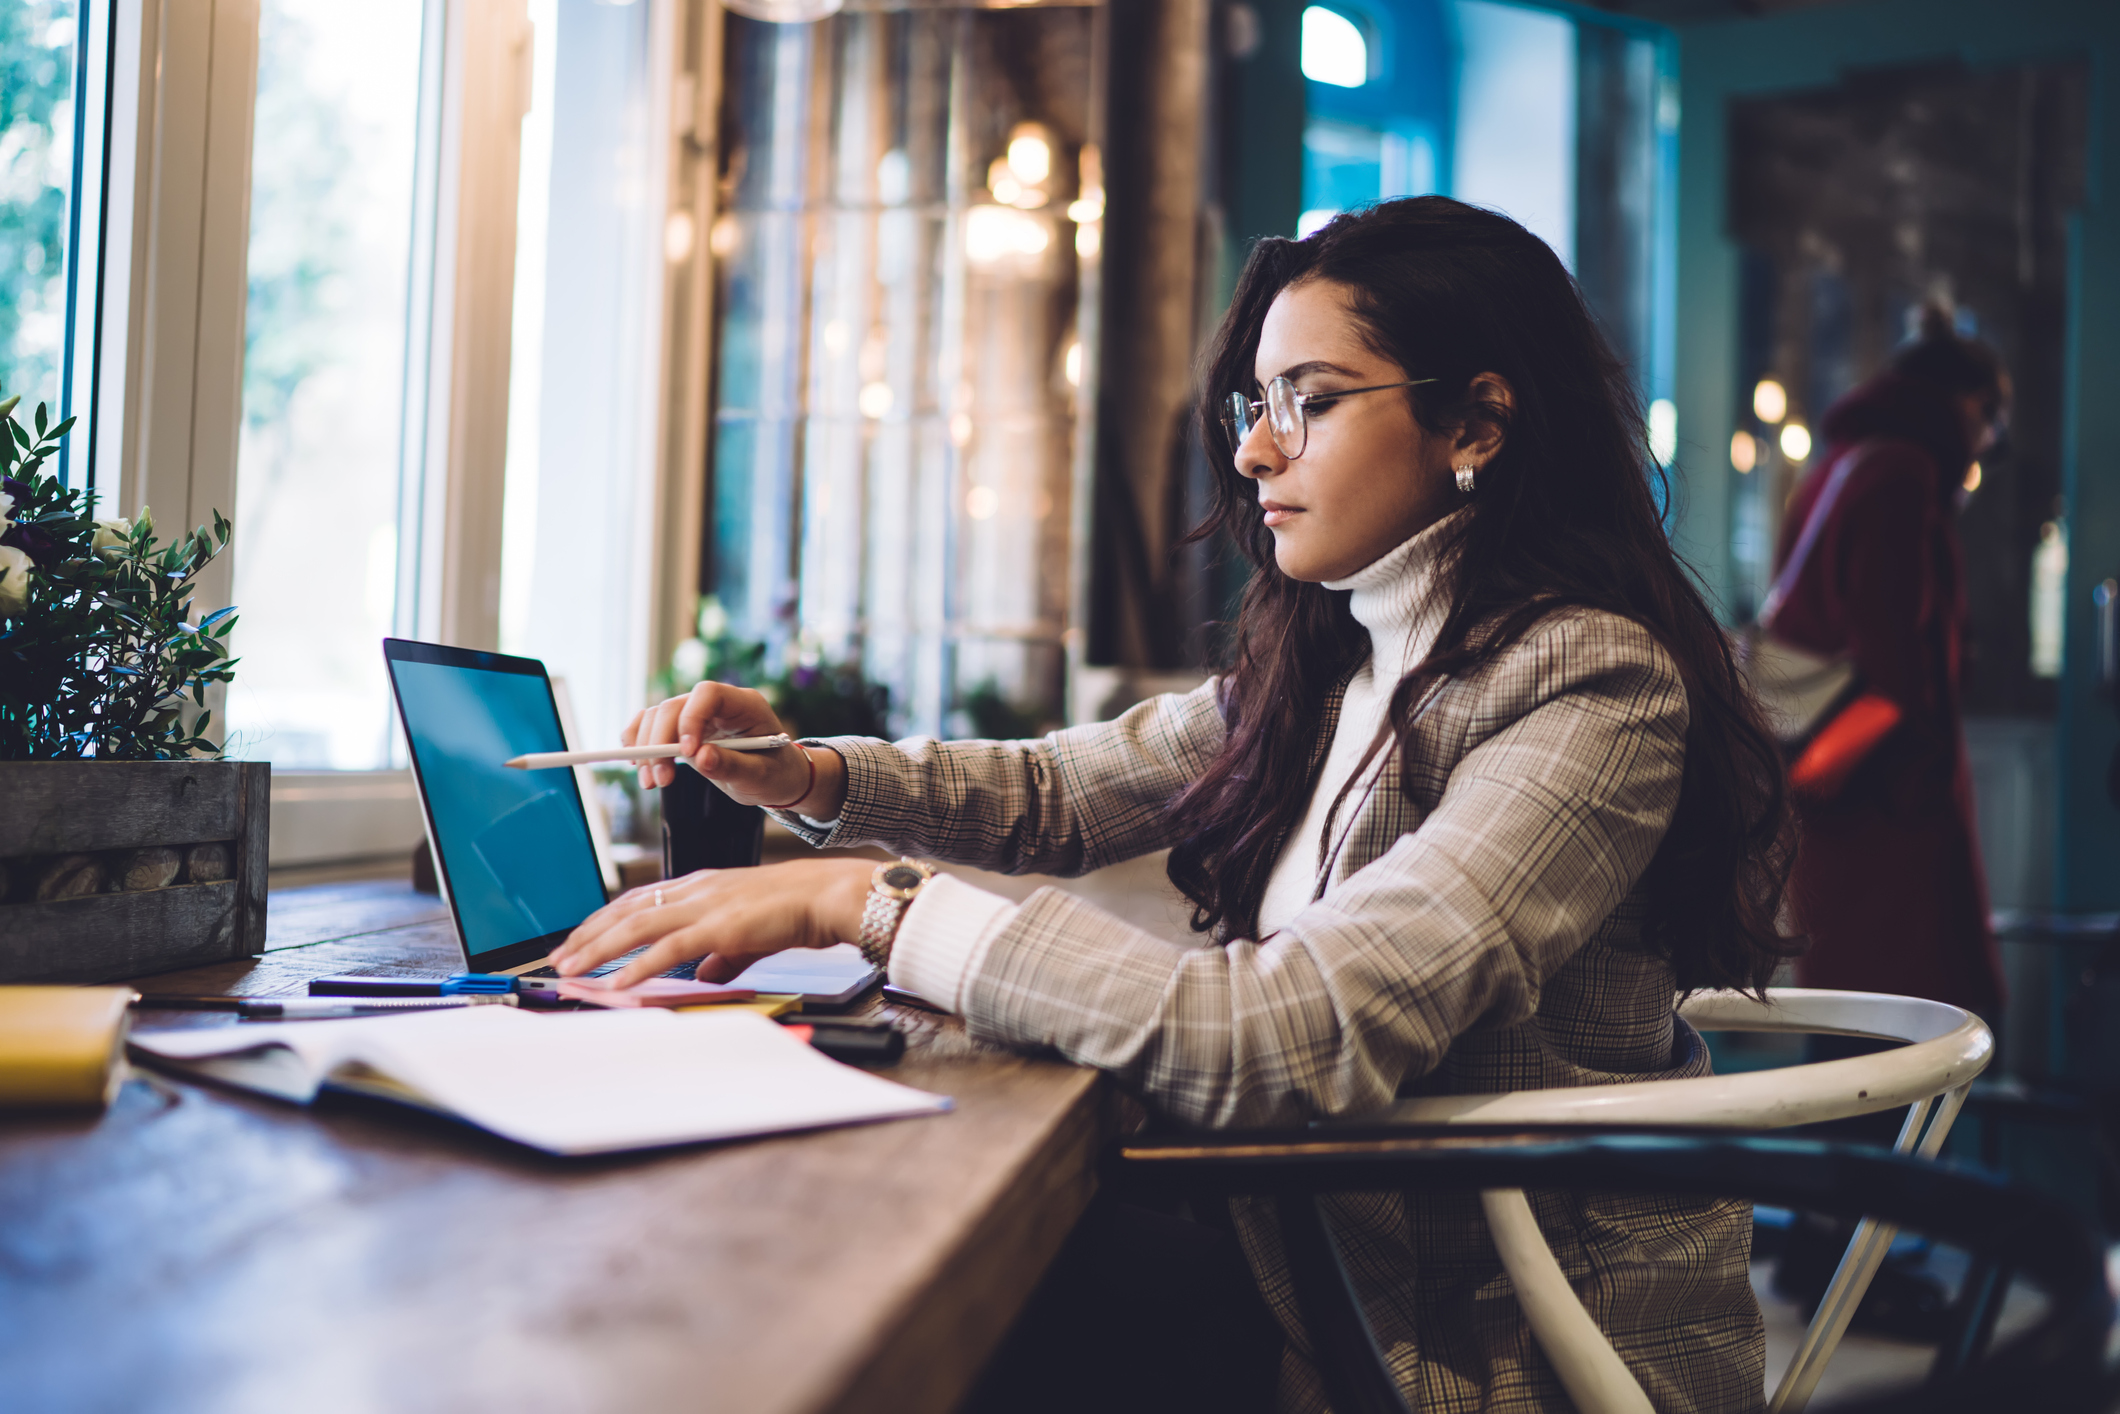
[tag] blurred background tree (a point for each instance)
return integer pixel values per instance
(36, 155)
(302, 185)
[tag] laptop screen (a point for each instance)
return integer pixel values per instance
(513, 846)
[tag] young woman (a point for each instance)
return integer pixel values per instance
(1479, 795)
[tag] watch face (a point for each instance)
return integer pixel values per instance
(903, 876)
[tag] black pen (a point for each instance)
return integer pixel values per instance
(320, 1008)
(305, 1008)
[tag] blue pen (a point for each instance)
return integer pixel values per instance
(464, 984)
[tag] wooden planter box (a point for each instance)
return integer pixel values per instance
(115, 869)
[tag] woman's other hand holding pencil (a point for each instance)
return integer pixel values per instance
(811, 780)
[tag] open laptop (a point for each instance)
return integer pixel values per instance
(512, 849)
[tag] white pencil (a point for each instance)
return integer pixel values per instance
(546, 760)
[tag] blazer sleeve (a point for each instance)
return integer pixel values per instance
(1064, 804)
(1545, 825)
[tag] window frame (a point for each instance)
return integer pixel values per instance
(157, 341)
(161, 346)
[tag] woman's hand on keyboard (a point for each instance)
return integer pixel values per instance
(728, 918)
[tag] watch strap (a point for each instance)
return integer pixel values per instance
(892, 889)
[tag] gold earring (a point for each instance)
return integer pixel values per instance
(1465, 475)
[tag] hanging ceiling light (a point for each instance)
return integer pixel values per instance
(785, 12)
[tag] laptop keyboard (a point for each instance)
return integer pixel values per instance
(683, 972)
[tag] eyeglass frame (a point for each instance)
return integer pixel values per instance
(1253, 406)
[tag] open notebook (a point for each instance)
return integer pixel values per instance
(570, 1083)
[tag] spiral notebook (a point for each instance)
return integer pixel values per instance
(568, 1083)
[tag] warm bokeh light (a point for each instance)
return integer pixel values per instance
(1796, 441)
(1744, 451)
(875, 400)
(1030, 156)
(981, 502)
(992, 233)
(1002, 181)
(1972, 478)
(1072, 364)
(1770, 401)
(679, 232)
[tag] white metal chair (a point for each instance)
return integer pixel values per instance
(1946, 1048)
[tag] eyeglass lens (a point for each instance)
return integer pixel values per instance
(1284, 417)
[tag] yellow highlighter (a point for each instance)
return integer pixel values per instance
(60, 1046)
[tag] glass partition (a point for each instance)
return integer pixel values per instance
(911, 218)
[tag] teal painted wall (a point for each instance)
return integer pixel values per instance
(1817, 47)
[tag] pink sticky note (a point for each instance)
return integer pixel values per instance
(655, 991)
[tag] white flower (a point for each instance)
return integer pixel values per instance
(14, 580)
(112, 536)
(7, 509)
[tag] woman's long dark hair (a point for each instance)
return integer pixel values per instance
(1564, 516)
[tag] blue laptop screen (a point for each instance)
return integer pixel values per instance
(513, 844)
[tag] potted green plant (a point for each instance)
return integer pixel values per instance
(126, 845)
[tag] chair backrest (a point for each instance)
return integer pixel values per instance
(2056, 1367)
(1944, 1048)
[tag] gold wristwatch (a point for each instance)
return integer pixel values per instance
(891, 891)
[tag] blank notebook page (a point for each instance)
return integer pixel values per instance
(571, 1083)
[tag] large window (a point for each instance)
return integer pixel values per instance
(325, 388)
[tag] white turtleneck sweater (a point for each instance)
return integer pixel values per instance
(949, 925)
(1393, 600)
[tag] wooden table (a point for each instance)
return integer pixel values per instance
(203, 1249)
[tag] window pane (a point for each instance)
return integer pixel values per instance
(574, 583)
(37, 40)
(323, 379)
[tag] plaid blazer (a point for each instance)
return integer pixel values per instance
(1474, 931)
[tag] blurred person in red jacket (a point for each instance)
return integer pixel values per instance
(1888, 882)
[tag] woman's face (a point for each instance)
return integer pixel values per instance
(1370, 476)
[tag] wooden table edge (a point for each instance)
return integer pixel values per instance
(953, 1320)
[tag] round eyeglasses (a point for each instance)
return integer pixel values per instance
(1284, 407)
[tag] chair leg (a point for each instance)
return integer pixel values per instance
(1597, 1380)
(1973, 1317)
(1356, 1379)
(1865, 1254)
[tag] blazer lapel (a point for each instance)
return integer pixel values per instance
(1379, 806)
